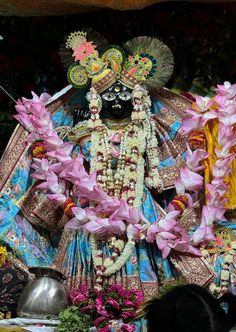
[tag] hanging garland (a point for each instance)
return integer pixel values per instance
(55, 168)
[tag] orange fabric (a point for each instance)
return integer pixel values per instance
(211, 131)
(62, 7)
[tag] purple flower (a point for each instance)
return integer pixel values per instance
(77, 297)
(97, 322)
(128, 303)
(127, 314)
(115, 288)
(80, 295)
(120, 291)
(84, 289)
(87, 308)
(105, 329)
(138, 297)
(114, 303)
(100, 307)
(128, 327)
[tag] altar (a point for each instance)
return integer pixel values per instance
(119, 178)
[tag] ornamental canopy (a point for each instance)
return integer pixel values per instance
(62, 7)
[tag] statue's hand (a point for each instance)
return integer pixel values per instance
(81, 114)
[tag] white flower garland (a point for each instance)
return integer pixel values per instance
(153, 179)
(139, 184)
(114, 267)
(100, 149)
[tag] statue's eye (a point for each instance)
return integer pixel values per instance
(109, 96)
(125, 96)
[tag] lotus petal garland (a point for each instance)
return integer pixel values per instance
(223, 108)
(57, 172)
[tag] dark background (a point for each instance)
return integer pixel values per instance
(201, 36)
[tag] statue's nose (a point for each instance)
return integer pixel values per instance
(117, 99)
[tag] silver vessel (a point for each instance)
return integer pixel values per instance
(45, 296)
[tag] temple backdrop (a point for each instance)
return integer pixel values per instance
(201, 37)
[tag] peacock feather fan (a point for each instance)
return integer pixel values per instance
(150, 61)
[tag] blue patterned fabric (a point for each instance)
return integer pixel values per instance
(28, 246)
(32, 248)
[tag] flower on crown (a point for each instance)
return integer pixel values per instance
(81, 47)
(82, 51)
(138, 67)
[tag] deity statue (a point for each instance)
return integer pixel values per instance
(114, 224)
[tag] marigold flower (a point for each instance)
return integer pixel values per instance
(38, 150)
(3, 255)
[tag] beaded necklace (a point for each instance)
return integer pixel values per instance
(124, 180)
(117, 155)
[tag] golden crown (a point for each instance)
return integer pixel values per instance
(143, 60)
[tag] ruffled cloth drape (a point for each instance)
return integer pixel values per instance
(62, 7)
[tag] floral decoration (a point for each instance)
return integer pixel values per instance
(110, 303)
(110, 216)
(83, 51)
(107, 215)
(191, 181)
(221, 107)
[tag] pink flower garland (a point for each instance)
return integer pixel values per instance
(223, 108)
(58, 171)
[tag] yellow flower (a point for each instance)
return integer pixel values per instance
(3, 255)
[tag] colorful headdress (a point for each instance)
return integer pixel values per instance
(148, 62)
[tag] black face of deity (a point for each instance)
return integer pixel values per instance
(116, 102)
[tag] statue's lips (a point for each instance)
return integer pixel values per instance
(116, 106)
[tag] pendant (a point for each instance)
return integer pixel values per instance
(114, 151)
(115, 137)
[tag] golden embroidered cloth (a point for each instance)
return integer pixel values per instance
(211, 131)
